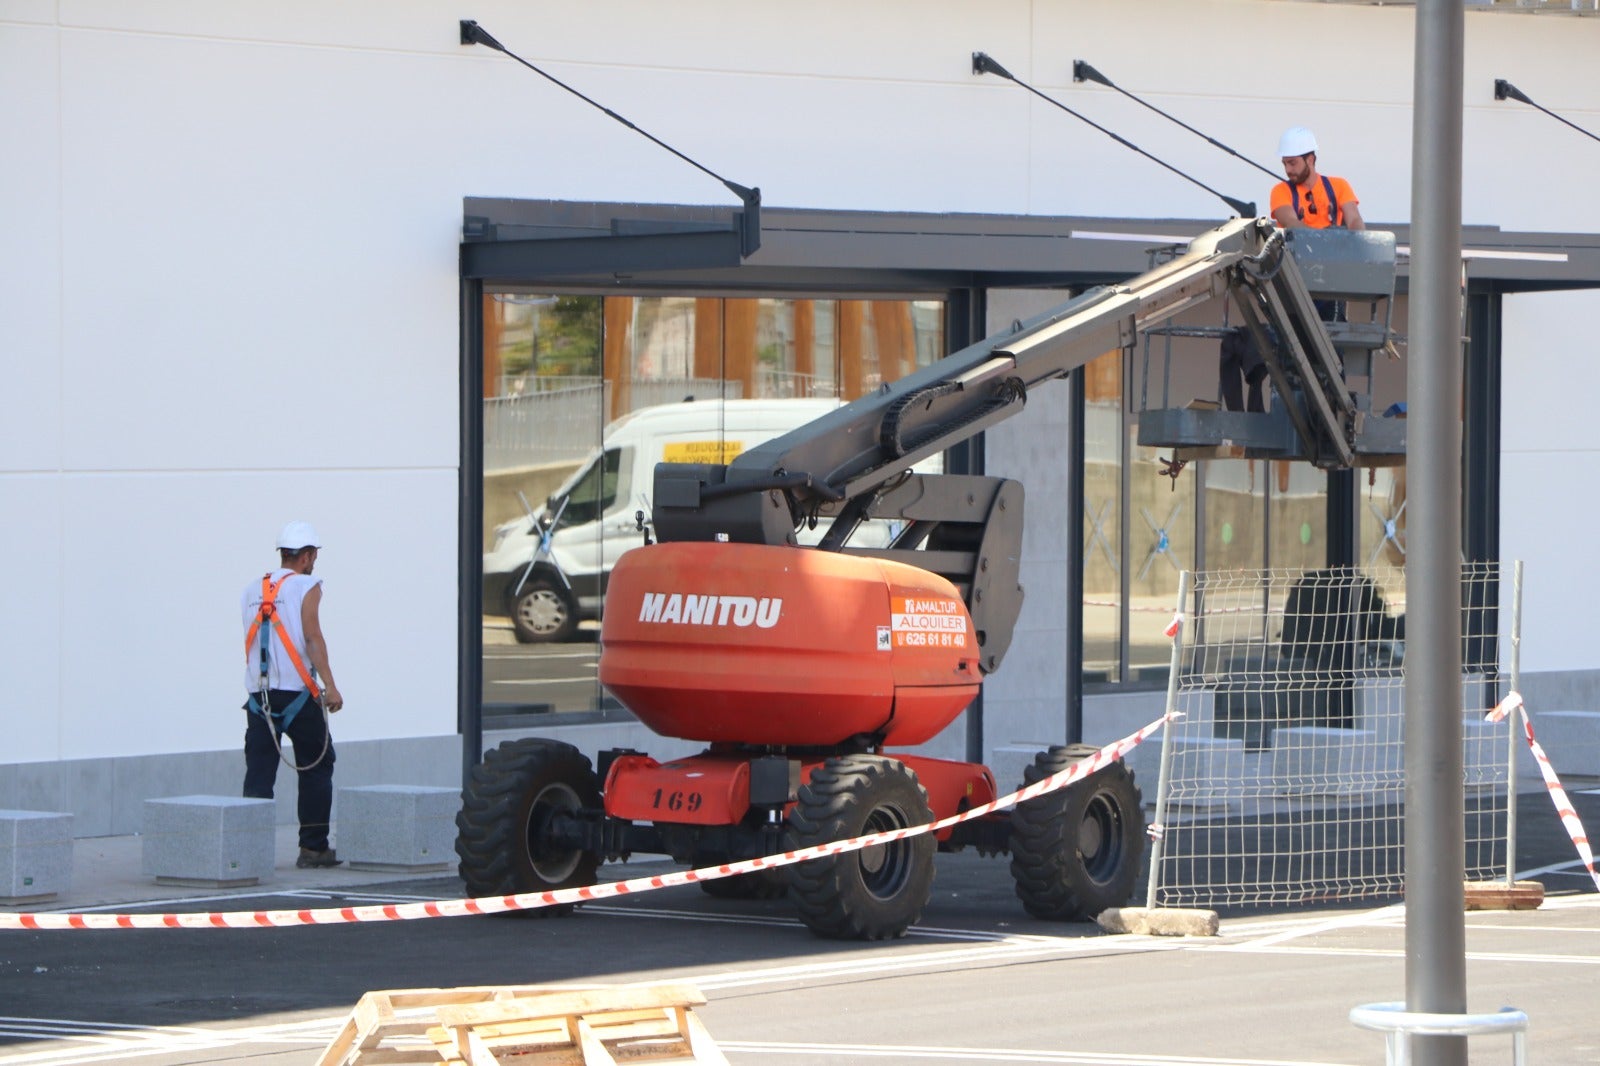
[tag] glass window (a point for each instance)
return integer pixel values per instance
(1297, 516)
(595, 491)
(1235, 514)
(1102, 519)
(1381, 529)
(561, 374)
(544, 409)
(1161, 543)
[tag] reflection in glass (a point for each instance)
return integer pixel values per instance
(564, 498)
(1235, 508)
(1161, 546)
(1102, 519)
(1381, 529)
(1297, 516)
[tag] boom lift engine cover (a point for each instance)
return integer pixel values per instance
(778, 646)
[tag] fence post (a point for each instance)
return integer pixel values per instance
(1184, 578)
(1511, 724)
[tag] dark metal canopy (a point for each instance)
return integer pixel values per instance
(566, 245)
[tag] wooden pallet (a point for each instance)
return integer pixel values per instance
(525, 1025)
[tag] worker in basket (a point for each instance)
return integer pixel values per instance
(290, 689)
(1304, 199)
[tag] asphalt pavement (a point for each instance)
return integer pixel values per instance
(976, 980)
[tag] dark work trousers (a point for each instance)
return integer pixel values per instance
(1241, 359)
(307, 731)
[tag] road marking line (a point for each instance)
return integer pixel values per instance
(535, 657)
(1563, 929)
(1399, 953)
(1556, 867)
(932, 932)
(1380, 916)
(542, 680)
(929, 959)
(115, 1042)
(909, 1051)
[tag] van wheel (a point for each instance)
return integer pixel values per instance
(543, 612)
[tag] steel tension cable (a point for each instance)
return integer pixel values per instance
(749, 219)
(1082, 71)
(982, 63)
(1505, 90)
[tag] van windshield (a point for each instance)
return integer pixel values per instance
(595, 490)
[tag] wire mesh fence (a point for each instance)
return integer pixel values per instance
(1283, 780)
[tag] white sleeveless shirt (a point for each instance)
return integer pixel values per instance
(280, 668)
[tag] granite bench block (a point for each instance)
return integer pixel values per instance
(1008, 762)
(212, 841)
(1571, 739)
(35, 855)
(1331, 761)
(398, 827)
(1203, 770)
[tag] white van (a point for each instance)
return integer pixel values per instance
(594, 512)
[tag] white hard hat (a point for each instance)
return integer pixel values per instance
(297, 535)
(1296, 140)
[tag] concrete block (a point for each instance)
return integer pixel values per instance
(1009, 761)
(35, 855)
(1330, 761)
(1203, 771)
(1199, 707)
(398, 827)
(209, 841)
(1380, 707)
(1159, 921)
(1571, 739)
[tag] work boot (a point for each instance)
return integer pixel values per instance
(311, 859)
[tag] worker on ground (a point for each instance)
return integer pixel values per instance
(287, 676)
(1305, 199)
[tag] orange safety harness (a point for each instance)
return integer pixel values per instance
(259, 636)
(1335, 209)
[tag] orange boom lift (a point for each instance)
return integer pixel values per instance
(801, 668)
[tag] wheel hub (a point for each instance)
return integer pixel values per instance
(542, 610)
(885, 867)
(551, 861)
(1099, 838)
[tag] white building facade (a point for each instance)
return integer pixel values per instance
(231, 269)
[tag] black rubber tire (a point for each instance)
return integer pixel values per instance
(762, 884)
(509, 798)
(544, 612)
(873, 894)
(1075, 851)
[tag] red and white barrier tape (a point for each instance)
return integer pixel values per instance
(455, 908)
(1558, 795)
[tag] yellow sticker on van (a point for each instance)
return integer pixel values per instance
(701, 451)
